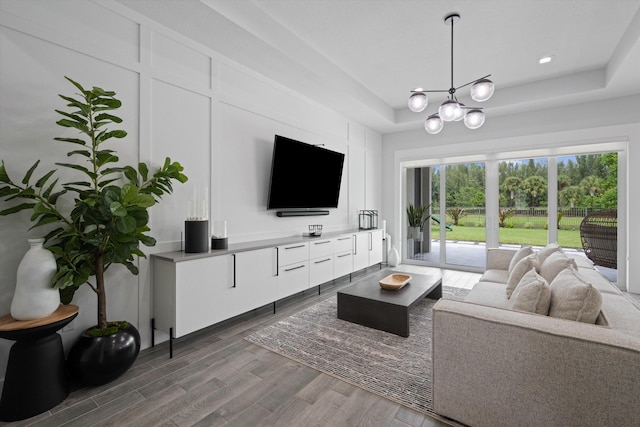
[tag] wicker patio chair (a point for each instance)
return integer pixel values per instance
(599, 236)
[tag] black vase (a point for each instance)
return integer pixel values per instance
(100, 360)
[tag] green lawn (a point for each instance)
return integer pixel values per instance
(520, 236)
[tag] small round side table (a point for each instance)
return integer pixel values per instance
(36, 379)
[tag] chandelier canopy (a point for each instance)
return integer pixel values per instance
(451, 110)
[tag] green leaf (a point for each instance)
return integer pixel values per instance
(76, 84)
(3, 174)
(71, 124)
(92, 175)
(144, 170)
(111, 103)
(72, 140)
(27, 176)
(109, 117)
(104, 158)
(48, 191)
(17, 208)
(117, 209)
(84, 153)
(111, 134)
(73, 117)
(46, 219)
(44, 179)
(126, 224)
(8, 191)
(131, 174)
(85, 110)
(129, 193)
(144, 201)
(147, 240)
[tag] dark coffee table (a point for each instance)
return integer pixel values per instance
(366, 303)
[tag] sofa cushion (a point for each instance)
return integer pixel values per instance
(554, 264)
(488, 293)
(598, 280)
(543, 253)
(496, 276)
(521, 268)
(573, 298)
(532, 294)
(520, 253)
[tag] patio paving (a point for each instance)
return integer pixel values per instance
(473, 254)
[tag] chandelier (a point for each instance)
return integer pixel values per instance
(452, 110)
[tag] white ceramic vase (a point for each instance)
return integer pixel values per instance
(34, 297)
(393, 257)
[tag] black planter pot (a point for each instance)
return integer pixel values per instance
(99, 360)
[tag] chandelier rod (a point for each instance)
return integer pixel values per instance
(452, 90)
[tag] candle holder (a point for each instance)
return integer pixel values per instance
(196, 227)
(219, 239)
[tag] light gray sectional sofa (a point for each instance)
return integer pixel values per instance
(505, 361)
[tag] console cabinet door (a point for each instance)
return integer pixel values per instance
(256, 279)
(375, 247)
(361, 251)
(203, 293)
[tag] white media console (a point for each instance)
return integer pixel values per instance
(194, 290)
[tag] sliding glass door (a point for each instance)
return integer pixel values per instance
(536, 199)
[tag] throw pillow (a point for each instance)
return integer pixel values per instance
(573, 298)
(520, 253)
(521, 268)
(532, 294)
(543, 253)
(554, 264)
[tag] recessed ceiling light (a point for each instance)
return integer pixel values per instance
(545, 59)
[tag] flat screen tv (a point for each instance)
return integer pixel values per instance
(304, 176)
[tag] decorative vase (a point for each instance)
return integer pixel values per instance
(415, 233)
(34, 296)
(393, 258)
(100, 360)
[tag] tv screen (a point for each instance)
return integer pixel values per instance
(304, 176)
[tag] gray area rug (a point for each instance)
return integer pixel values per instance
(386, 364)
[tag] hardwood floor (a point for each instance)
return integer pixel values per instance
(216, 378)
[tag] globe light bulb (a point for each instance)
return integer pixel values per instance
(433, 124)
(474, 119)
(461, 113)
(418, 101)
(482, 90)
(449, 110)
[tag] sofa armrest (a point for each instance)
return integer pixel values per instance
(499, 258)
(496, 367)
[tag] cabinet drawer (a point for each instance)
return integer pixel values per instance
(320, 270)
(292, 279)
(289, 254)
(342, 264)
(320, 248)
(343, 244)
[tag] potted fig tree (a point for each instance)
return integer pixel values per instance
(105, 225)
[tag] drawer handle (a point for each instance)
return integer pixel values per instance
(344, 238)
(234, 269)
(322, 243)
(324, 260)
(295, 247)
(343, 255)
(294, 268)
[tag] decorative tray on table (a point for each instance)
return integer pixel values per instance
(395, 281)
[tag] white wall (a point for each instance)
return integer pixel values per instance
(180, 100)
(615, 120)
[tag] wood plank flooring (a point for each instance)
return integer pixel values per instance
(216, 378)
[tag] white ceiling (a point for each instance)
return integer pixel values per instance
(362, 57)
